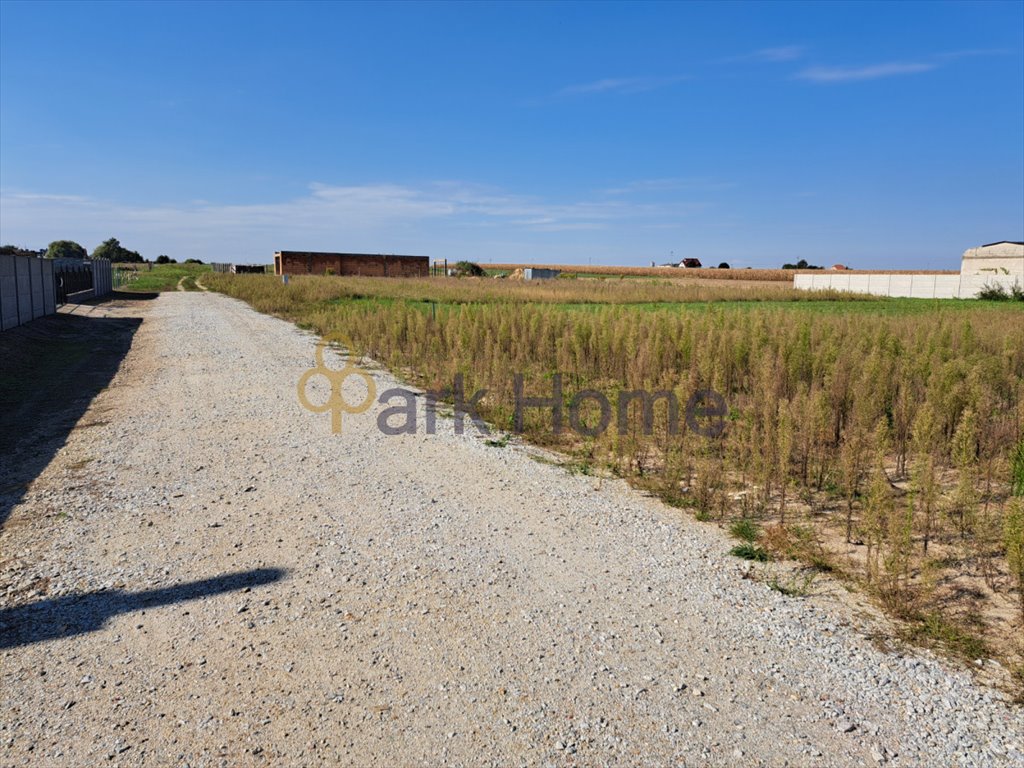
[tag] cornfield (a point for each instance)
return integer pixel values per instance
(707, 273)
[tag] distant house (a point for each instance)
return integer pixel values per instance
(690, 264)
(839, 267)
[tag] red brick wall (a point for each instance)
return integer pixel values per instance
(371, 265)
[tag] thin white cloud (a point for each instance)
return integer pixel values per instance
(672, 184)
(772, 55)
(621, 85)
(871, 72)
(972, 52)
(784, 53)
(367, 216)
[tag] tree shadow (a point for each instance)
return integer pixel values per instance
(78, 614)
(50, 371)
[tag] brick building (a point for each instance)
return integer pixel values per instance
(369, 264)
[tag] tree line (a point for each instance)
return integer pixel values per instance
(110, 248)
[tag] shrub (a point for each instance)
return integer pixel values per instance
(1013, 538)
(745, 530)
(468, 269)
(1017, 470)
(994, 292)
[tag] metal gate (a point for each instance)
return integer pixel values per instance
(71, 278)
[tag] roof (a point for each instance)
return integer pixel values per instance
(1003, 242)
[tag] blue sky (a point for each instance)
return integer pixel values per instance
(878, 135)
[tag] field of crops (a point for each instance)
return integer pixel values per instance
(881, 440)
(773, 275)
(674, 273)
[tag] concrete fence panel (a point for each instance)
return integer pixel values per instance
(839, 282)
(860, 283)
(900, 285)
(947, 286)
(35, 272)
(49, 292)
(922, 287)
(27, 290)
(8, 293)
(102, 278)
(23, 280)
(878, 285)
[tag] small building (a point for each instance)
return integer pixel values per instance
(839, 267)
(690, 264)
(367, 264)
(1003, 259)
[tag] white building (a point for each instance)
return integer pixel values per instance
(994, 264)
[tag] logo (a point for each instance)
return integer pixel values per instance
(705, 413)
(335, 402)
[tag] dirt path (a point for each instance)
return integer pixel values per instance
(203, 575)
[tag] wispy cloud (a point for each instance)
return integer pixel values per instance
(772, 55)
(870, 72)
(972, 52)
(621, 85)
(673, 184)
(375, 216)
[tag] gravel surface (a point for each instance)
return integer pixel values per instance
(206, 576)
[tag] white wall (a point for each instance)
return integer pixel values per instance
(909, 286)
(1001, 264)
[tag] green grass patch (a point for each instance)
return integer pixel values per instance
(749, 551)
(745, 530)
(794, 585)
(165, 277)
(962, 638)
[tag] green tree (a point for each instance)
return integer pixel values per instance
(14, 250)
(66, 249)
(164, 259)
(113, 250)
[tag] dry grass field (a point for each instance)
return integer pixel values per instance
(881, 440)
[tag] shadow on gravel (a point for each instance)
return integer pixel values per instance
(70, 615)
(50, 371)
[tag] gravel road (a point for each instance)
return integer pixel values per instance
(204, 575)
